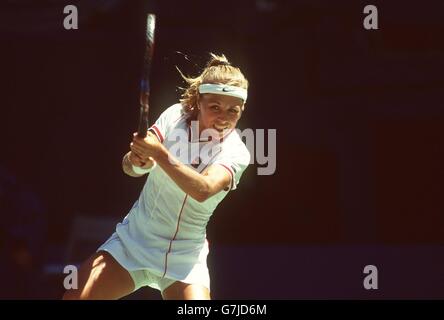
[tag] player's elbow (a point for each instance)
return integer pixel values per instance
(201, 196)
(208, 188)
(204, 192)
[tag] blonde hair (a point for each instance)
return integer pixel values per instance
(217, 71)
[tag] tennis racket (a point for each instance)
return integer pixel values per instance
(145, 81)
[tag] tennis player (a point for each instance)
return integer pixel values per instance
(194, 157)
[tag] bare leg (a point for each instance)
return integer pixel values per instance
(184, 291)
(101, 277)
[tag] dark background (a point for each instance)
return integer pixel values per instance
(359, 117)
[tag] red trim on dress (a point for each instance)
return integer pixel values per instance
(174, 238)
(158, 133)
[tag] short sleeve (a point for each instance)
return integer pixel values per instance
(235, 160)
(166, 121)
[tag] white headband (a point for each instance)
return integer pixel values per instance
(224, 89)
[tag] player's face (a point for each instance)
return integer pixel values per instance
(219, 112)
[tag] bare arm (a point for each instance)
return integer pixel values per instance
(199, 186)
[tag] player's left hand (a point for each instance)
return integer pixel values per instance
(145, 147)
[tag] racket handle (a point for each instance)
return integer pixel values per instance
(143, 121)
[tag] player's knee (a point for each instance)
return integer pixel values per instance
(88, 285)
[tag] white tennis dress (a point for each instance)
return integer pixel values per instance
(164, 233)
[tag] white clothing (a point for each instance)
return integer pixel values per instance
(165, 230)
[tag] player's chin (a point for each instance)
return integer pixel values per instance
(221, 129)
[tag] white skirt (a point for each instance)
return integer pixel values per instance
(144, 275)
